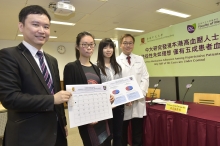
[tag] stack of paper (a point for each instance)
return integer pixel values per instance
(160, 101)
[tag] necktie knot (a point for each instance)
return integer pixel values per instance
(129, 59)
(39, 54)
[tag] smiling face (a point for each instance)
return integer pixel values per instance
(127, 45)
(108, 51)
(86, 46)
(35, 30)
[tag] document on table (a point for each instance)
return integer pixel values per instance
(160, 101)
(89, 103)
(124, 90)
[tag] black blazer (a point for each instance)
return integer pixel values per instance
(32, 115)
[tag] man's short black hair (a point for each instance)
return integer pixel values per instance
(32, 9)
(127, 35)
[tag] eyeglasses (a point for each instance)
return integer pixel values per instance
(128, 44)
(88, 45)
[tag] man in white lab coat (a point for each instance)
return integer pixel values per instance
(135, 111)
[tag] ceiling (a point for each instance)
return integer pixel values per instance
(100, 18)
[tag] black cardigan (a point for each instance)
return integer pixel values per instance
(74, 74)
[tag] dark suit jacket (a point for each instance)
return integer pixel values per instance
(32, 115)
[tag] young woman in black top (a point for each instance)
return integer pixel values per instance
(82, 71)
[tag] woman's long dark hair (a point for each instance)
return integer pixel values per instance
(78, 39)
(100, 59)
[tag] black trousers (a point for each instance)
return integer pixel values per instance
(137, 131)
(83, 131)
(61, 138)
(84, 135)
(116, 127)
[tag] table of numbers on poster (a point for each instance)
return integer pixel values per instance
(89, 107)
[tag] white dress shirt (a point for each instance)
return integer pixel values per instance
(33, 51)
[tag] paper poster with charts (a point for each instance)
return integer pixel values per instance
(89, 103)
(124, 90)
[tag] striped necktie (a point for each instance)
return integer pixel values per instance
(45, 72)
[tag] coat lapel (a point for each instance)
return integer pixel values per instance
(81, 71)
(27, 55)
(124, 60)
(132, 61)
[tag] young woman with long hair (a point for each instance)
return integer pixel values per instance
(110, 70)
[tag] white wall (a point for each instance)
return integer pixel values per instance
(51, 48)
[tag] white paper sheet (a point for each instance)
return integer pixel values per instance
(124, 90)
(160, 101)
(89, 103)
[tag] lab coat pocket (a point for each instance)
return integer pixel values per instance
(138, 69)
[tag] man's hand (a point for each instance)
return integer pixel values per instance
(61, 97)
(66, 130)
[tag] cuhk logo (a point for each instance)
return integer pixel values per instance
(191, 28)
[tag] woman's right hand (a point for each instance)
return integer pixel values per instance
(112, 98)
(93, 123)
(129, 104)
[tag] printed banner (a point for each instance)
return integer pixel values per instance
(190, 48)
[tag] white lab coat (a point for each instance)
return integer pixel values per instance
(139, 70)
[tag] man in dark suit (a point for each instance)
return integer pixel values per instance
(30, 86)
